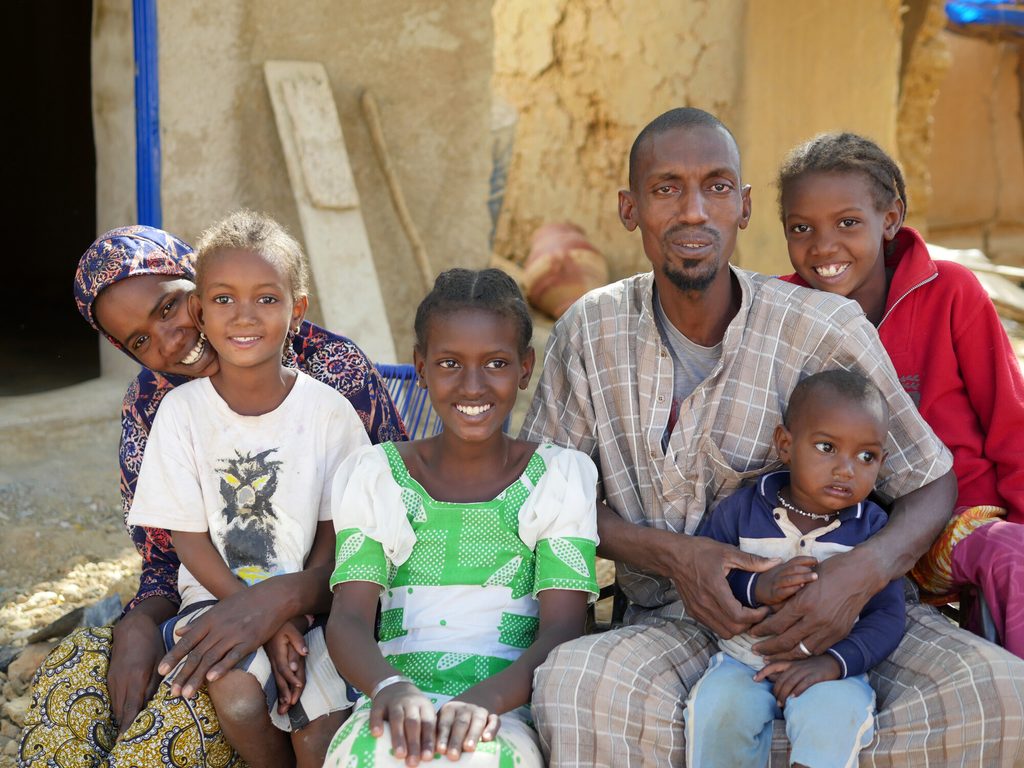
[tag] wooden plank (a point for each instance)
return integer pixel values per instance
(347, 285)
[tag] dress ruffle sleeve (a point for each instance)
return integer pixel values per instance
(373, 531)
(559, 522)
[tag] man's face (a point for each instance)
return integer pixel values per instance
(688, 203)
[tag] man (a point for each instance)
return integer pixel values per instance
(673, 381)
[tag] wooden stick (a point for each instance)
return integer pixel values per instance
(372, 115)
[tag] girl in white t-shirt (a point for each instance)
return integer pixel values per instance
(239, 468)
(479, 548)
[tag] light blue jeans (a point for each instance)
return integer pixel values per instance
(729, 719)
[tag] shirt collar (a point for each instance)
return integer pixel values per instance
(769, 485)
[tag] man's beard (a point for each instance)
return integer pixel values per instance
(694, 274)
(691, 277)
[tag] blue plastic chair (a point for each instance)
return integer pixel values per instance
(413, 403)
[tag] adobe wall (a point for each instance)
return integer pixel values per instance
(428, 64)
(977, 163)
(585, 78)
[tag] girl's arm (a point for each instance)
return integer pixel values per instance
(994, 385)
(197, 553)
(355, 653)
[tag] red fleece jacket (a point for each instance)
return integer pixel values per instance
(956, 363)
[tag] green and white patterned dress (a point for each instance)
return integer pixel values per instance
(460, 580)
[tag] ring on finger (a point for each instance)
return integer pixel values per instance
(806, 651)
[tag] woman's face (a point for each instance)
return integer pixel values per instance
(149, 315)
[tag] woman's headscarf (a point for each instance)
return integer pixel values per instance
(127, 252)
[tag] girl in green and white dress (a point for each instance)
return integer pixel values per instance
(479, 548)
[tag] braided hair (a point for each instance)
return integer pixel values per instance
(846, 153)
(487, 289)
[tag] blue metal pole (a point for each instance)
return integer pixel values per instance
(147, 114)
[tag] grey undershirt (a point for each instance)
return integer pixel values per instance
(691, 363)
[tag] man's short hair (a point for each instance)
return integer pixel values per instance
(681, 117)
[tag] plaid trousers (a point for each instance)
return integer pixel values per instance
(945, 698)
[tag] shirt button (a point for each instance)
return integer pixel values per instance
(654, 454)
(661, 398)
(778, 516)
(664, 352)
(803, 543)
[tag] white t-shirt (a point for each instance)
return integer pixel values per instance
(258, 484)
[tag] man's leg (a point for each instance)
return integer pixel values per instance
(947, 697)
(616, 698)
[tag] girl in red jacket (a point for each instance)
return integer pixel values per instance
(842, 201)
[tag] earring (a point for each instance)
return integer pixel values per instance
(202, 337)
(421, 383)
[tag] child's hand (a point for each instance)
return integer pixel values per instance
(461, 725)
(287, 649)
(778, 584)
(791, 678)
(411, 718)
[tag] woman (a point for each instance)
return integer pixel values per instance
(96, 699)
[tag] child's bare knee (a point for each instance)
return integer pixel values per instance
(238, 697)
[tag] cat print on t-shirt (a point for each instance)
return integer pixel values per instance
(247, 485)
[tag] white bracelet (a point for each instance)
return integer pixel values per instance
(386, 682)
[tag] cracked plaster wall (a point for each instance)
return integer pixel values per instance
(586, 76)
(926, 60)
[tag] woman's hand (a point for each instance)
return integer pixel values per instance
(411, 718)
(461, 725)
(132, 676)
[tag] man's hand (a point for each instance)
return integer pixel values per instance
(791, 678)
(780, 583)
(132, 677)
(699, 573)
(823, 612)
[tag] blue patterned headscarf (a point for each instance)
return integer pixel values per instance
(127, 252)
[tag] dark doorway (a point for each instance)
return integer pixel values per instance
(51, 194)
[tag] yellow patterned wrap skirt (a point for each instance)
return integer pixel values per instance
(70, 724)
(934, 571)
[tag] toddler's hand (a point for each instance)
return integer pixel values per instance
(462, 725)
(778, 584)
(791, 678)
(411, 718)
(287, 649)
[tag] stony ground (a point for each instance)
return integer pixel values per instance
(63, 544)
